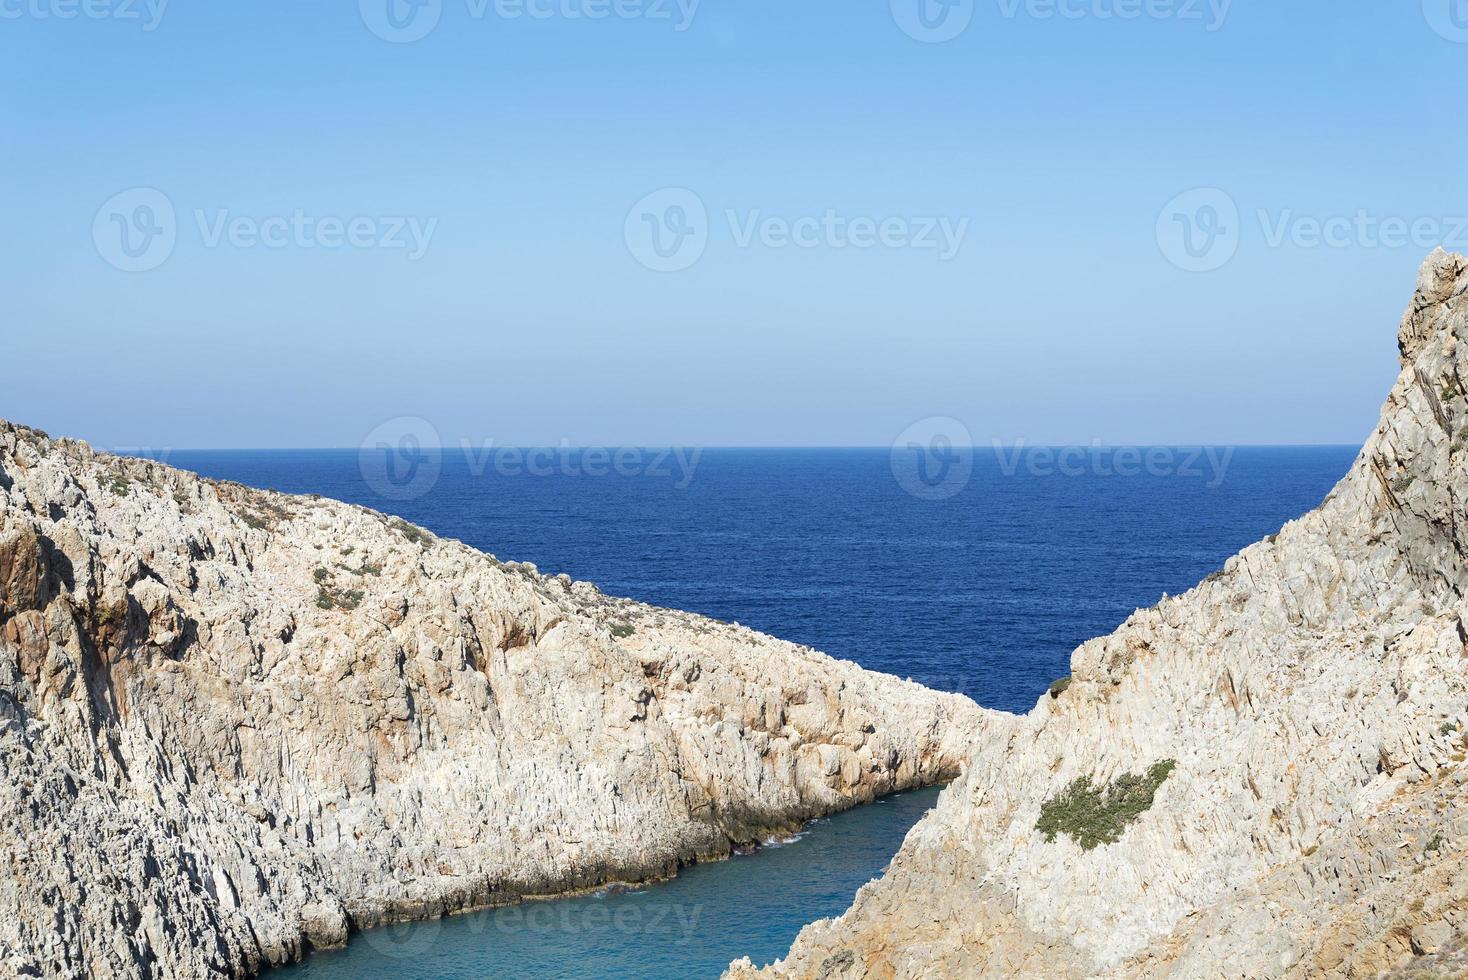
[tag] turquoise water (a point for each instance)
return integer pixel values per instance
(690, 927)
(985, 592)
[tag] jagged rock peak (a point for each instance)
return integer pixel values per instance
(1265, 777)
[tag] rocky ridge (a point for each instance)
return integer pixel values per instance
(1305, 709)
(236, 725)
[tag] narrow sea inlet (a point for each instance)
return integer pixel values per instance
(985, 593)
(687, 928)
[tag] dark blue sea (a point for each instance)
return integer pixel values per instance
(977, 575)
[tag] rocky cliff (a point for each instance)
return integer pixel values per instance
(1264, 777)
(235, 724)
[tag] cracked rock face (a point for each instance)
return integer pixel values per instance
(1314, 694)
(235, 725)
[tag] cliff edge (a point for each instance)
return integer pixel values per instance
(1264, 777)
(235, 725)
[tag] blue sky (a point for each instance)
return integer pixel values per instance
(1051, 139)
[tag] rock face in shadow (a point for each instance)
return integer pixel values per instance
(1313, 697)
(235, 725)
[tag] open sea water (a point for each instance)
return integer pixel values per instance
(979, 578)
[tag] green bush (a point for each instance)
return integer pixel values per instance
(1093, 815)
(416, 535)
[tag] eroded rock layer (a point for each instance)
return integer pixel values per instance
(235, 724)
(1300, 721)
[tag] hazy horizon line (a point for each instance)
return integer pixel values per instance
(127, 450)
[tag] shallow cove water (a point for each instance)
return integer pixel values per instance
(691, 926)
(985, 592)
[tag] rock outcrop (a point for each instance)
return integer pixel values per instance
(235, 725)
(1300, 720)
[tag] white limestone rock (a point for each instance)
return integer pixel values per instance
(235, 725)
(1314, 695)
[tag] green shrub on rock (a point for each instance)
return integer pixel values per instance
(1093, 815)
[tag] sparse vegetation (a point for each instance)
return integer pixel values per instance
(623, 630)
(329, 596)
(1093, 815)
(264, 515)
(416, 535)
(339, 599)
(118, 483)
(1448, 728)
(1060, 687)
(1434, 844)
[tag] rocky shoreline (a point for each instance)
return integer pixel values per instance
(1265, 777)
(237, 725)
